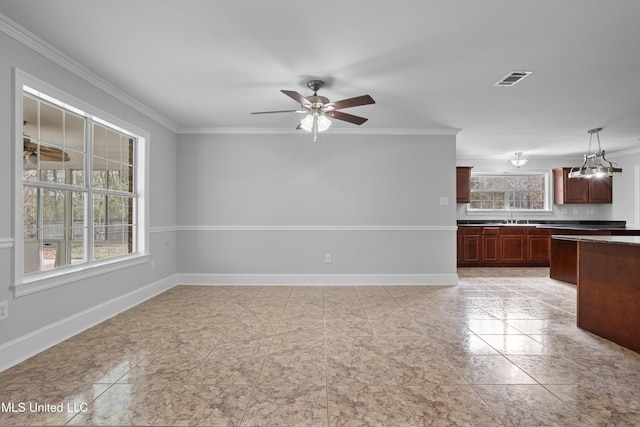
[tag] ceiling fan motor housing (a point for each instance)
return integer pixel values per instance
(315, 85)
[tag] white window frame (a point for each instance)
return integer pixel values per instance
(548, 207)
(28, 284)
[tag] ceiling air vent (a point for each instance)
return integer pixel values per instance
(512, 78)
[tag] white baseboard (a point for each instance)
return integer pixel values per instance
(317, 279)
(26, 346)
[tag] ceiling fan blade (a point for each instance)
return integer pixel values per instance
(281, 111)
(296, 96)
(46, 153)
(356, 120)
(354, 102)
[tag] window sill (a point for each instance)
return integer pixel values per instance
(30, 285)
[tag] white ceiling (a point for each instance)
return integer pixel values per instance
(428, 64)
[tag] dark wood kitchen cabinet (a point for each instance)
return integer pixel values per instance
(503, 245)
(490, 244)
(463, 184)
(469, 244)
(538, 245)
(584, 190)
(513, 244)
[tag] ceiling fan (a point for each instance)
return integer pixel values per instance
(30, 152)
(46, 153)
(318, 108)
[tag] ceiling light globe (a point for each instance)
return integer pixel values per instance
(307, 123)
(323, 123)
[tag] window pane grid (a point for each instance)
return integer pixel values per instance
(518, 192)
(58, 186)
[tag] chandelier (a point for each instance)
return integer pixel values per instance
(595, 164)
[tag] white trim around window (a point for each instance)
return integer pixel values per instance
(27, 284)
(548, 206)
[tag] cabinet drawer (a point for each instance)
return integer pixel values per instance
(491, 230)
(538, 231)
(513, 231)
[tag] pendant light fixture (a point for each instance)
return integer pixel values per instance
(595, 164)
(519, 160)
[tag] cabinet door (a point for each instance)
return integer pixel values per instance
(512, 248)
(576, 190)
(463, 184)
(600, 190)
(538, 248)
(490, 244)
(472, 248)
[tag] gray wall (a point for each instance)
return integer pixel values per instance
(276, 204)
(31, 312)
(626, 188)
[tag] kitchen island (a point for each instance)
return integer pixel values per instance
(608, 279)
(564, 251)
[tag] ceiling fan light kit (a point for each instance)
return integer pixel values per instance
(318, 109)
(595, 165)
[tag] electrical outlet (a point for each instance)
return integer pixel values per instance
(327, 258)
(444, 200)
(4, 310)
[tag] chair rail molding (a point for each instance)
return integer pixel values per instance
(6, 242)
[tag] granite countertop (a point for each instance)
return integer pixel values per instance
(621, 240)
(559, 225)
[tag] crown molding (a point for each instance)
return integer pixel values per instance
(333, 131)
(627, 152)
(32, 41)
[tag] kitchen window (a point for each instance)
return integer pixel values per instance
(81, 203)
(509, 191)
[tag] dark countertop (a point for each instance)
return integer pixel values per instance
(620, 240)
(555, 224)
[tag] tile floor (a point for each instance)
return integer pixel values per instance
(500, 349)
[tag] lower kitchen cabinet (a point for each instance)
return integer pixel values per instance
(490, 244)
(470, 244)
(512, 244)
(539, 246)
(503, 246)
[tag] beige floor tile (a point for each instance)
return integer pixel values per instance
(601, 404)
(303, 405)
(289, 368)
(501, 348)
(448, 405)
(128, 404)
(529, 405)
(350, 369)
(417, 368)
(46, 404)
(368, 406)
(489, 370)
(206, 405)
(516, 344)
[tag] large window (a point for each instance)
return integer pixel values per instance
(81, 185)
(509, 192)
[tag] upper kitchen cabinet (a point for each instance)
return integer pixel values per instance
(463, 184)
(580, 190)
